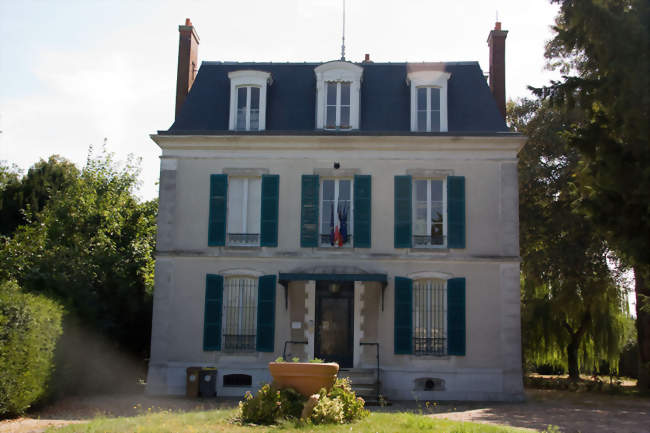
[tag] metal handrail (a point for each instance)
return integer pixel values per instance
(284, 351)
(377, 346)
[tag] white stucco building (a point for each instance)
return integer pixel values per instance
(311, 209)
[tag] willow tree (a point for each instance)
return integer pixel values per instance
(603, 49)
(572, 307)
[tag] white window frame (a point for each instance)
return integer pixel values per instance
(248, 108)
(248, 78)
(224, 313)
(338, 105)
(230, 225)
(429, 201)
(428, 110)
(431, 313)
(336, 208)
(428, 78)
(338, 71)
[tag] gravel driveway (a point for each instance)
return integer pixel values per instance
(571, 412)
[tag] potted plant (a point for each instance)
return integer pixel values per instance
(305, 377)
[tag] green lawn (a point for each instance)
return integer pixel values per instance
(219, 421)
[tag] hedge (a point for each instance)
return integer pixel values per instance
(29, 328)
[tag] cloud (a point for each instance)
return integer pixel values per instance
(88, 95)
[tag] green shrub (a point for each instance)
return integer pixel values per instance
(339, 405)
(327, 411)
(29, 328)
(271, 404)
(353, 406)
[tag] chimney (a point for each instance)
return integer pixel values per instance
(497, 43)
(188, 47)
(367, 59)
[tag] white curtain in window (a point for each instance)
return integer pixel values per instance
(244, 201)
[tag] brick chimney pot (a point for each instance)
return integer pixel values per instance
(188, 47)
(497, 78)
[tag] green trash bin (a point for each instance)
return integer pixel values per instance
(208, 382)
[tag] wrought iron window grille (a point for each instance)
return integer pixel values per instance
(240, 315)
(326, 241)
(430, 317)
(244, 239)
(424, 241)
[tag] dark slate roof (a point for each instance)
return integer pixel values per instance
(385, 99)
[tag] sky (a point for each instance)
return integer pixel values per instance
(78, 73)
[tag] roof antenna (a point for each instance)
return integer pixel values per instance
(343, 43)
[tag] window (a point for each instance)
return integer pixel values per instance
(248, 108)
(428, 99)
(429, 317)
(248, 100)
(338, 85)
(338, 105)
(239, 314)
(428, 117)
(244, 207)
(430, 208)
(336, 212)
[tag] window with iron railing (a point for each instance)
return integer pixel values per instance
(239, 314)
(244, 206)
(336, 212)
(429, 317)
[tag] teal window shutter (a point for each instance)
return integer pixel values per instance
(362, 211)
(266, 313)
(218, 205)
(456, 316)
(212, 313)
(403, 211)
(403, 316)
(309, 211)
(456, 211)
(269, 217)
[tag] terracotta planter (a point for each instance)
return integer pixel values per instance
(305, 377)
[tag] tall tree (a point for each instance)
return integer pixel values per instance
(603, 49)
(91, 247)
(572, 308)
(21, 196)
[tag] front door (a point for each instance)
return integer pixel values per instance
(334, 322)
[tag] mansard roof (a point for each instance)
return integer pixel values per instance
(385, 99)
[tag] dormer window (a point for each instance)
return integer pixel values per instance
(338, 105)
(248, 100)
(428, 100)
(248, 108)
(428, 116)
(338, 86)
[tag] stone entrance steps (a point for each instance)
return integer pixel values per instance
(364, 382)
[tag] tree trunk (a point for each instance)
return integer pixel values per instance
(572, 354)
(574, 345)
(641, 278)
